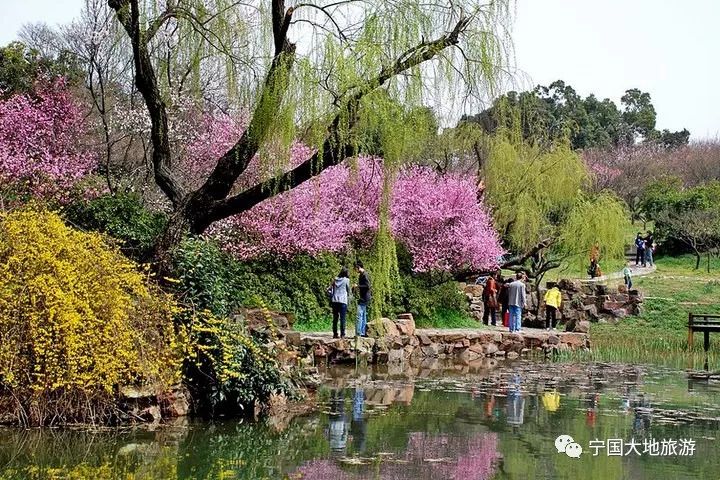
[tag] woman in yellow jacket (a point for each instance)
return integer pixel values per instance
(553, 299)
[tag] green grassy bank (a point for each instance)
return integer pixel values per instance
(660, 332)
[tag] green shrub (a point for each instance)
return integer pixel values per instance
(209, 278)
(121, 216)
(430, 297)
(227, 372)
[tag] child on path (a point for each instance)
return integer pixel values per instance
(627, 274)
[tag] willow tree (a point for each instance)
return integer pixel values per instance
(542, 209)
(307, 69)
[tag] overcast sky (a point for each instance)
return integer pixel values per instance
(665, 47)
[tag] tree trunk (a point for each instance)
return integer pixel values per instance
(708, 262)
(194, 211)
(697, 260)
(178, 227)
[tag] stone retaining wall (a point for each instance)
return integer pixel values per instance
(583, 302)
(405, 343)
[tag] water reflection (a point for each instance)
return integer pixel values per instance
(515, 403)
(481, 421)
(337, 426)
(358, 427)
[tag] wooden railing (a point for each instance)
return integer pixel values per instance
(705, 323)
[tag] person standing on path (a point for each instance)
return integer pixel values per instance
(516, 301)
(640, 247)
(364, 296)
(553, 300)
(489, 296)
(649, 241)
(340, 296)
(627, 275)
(503, 298)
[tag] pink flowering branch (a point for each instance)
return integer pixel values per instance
(40, 151)
(437, 217)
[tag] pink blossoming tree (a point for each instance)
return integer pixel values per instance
(437, 217)
(40, 144)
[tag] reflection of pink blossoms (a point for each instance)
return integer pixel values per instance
(438, 218)
(427, 457)
(40, 142)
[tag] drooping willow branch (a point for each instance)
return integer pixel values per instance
(334, 149)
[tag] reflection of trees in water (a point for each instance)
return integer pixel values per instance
(197, 451)
(427, 457)
(443, 418)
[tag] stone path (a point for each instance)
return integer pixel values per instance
(636, 272)
(439, 331)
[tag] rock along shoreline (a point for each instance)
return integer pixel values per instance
(406, 343)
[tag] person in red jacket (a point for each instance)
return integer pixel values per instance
(490, 302)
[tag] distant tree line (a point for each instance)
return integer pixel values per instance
(558, 112)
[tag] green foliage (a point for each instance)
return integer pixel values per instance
(659, 334)
(539, 205)
(21, 67)
(210, 279)
(685, 218)
(122, 216)
(639, 112)
(432, 297)
(531, 190)
(433, 302)
(660, 195)
(226, 371)
(556, 112)
(600, 221)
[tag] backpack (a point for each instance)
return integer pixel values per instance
(330, 291)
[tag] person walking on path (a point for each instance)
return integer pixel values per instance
(516, 301)
(339, 298)
(649, 241)
(503, 298)
(364, 296)
(490, 299)
(640, 246)
(553, 300)
(627, 275)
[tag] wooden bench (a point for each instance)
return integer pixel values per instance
(705, 323)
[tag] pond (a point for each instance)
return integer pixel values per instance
(490, 420)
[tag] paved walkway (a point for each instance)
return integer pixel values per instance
(636, 272)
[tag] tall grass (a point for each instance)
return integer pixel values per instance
(659, 334)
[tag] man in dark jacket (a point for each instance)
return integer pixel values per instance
(364, 296)
(640, 250)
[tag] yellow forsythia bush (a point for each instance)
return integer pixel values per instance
(77, 320)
